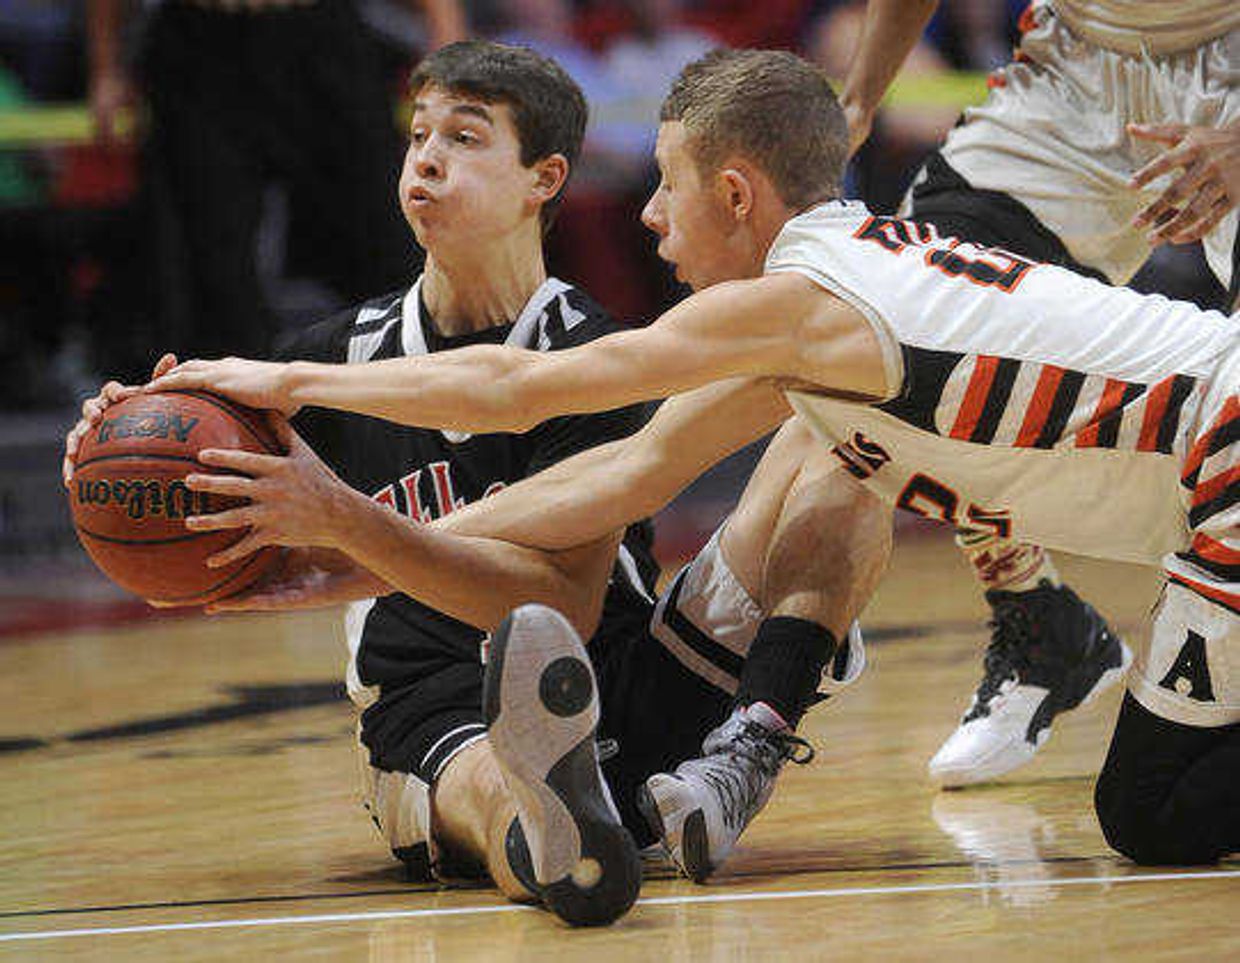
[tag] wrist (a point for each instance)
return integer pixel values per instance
(292, 386)
(346, 512)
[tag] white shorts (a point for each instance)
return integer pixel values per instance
(708, 621)
(1051, 134)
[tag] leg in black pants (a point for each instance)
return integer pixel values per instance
(1170, 793)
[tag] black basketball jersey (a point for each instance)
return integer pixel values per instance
(426, 473)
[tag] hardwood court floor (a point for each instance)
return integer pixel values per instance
(185, 791)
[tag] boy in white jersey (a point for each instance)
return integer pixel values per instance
(891, 342)
(1063, 164)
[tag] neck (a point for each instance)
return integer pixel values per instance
(480, 290)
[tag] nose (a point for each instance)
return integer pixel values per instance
(652, 215)
(427, 159)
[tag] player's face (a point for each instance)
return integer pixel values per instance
(690, 216)
(462, 180)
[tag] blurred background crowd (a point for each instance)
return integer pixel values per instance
(232, 185)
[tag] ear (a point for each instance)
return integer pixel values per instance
(550, 174)
(736, 189)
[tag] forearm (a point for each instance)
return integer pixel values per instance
(614, 485)
(470, 389)
(892, 28)
(474, 579)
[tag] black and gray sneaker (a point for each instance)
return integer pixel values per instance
(1049, 652)
(541, 706)
(701, 809)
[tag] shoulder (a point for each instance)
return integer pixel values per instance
(351, 334)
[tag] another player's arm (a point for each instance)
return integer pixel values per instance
(891, 30)
(616, 484)
(552, 538)
(780, 325)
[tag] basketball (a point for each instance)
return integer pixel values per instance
(129, 499)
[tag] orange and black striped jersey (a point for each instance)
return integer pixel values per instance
(1069, 411)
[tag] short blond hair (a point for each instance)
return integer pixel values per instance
(770, 107)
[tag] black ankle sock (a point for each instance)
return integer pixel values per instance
(784, 665)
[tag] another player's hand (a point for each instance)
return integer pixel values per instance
(259, 384)
(93, 409)
(294, 499)
(307, 578)
(1203, 194)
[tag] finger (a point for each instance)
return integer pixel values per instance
(114, 391)
(247, 462)
(1164, 163)
(164, 365)
(1162, 133)
(1200, 222)
(188, 374)
(92, 408)
(246, 546)
(241, 517)
(234, 485)
(1176, 195)
(1170, 201)
(273, 599)
(1192, 207)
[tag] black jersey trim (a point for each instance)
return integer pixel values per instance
(1062, 406)
(925, 376)
(996, 401)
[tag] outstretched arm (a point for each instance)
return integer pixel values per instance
(568, 519)
(613, 485)
(779, 325)
(892, 28)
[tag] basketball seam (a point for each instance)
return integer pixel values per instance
(134, 541)
(221, 583)
(226, 406)
(133, 456)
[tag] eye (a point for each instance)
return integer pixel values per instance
(467, 137)
(417, 135)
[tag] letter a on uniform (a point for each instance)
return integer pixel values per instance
(1191, 666)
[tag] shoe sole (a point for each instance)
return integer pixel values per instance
(692, 854)
(1107, 679)
(955, 779)
(540, 703)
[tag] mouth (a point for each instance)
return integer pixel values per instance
(420, 196)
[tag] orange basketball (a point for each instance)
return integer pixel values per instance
(129, 500)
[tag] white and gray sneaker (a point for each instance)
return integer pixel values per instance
(541, 705)
(1049, 652)
(701, 809)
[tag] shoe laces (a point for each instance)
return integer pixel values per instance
(1012, 631)
(742, 768)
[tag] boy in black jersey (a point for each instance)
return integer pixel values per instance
(493, 132)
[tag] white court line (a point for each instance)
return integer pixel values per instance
(656, 901)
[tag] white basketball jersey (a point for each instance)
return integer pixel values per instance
(1149, 26)
(1022, 396)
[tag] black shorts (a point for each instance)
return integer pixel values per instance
(654, 711)
(1170, 793)
(945, 199)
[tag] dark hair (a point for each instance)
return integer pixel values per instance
(769, 106)
(548, 108)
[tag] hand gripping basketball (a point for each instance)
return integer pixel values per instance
(130, 499)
